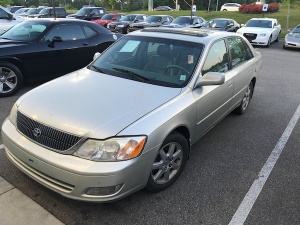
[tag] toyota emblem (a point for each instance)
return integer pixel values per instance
(37, 132)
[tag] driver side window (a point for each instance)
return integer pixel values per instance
(66, 32)
(217, 58)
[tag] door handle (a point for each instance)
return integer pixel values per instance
(84, 44)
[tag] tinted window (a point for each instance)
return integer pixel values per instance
(217, 58)
(67, 33)
(89, 31)
(238, 52)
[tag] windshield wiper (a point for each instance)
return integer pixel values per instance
(96, 68)
(135, 75)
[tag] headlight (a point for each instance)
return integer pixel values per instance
(120, 25)
(13, 114)
(114, 149)
(263, 35)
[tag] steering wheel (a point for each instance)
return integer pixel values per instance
(176, 70)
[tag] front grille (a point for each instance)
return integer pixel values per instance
(250, 36)
(112, 26)
(45, 135)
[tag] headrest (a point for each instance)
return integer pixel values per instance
(163, 50)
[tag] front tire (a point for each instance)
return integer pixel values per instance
(242, 108)
(269, 42)
(277, 39)
(169, 162)
(11, 79)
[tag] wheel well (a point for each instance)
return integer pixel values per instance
(253, 81)
(15, 62)
(183, 131)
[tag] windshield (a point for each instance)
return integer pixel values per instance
(32, 11)
(259, 23)
(296, 30)
(182, 20)
(45, 11)
(128, 18)
(154, 19)
(83, 12)
(216, 23)
(107, 17)
(158, 61)
(26, 31)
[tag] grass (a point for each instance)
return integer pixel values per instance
(281, 16)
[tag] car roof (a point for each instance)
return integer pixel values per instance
(205, 36)
(265, 18)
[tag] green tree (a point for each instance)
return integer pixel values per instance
(5, 2)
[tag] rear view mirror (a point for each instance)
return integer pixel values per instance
(96, 55)
(54, 39)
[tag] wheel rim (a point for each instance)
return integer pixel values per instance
(269, 41)
(246, 98)
(167, 163)
(8, 80)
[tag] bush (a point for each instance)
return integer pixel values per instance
(255, 8)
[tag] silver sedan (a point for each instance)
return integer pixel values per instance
(127, 121)
(292, 39)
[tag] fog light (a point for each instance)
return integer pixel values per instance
(100, 191)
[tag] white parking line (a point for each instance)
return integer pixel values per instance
(245, 207)
(1, 147)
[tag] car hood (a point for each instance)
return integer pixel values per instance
(103, 21)
(91, 104)
(121, 22)
(256, 30)
(147, 24)
(4, 43)
(293, 37)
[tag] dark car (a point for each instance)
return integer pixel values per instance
(31, 11)
(163, 8)
(13, 9)
(152, 21)
(122, 26)
(107, 18)
(223, 24)
(42, 49)
(187, 21)
(89, 13)
(49, 12)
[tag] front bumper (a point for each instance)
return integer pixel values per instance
(71, 176)
(290, 44)
(256, 39)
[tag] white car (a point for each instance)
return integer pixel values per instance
(230, 7)
(7, 20)
(261, 31)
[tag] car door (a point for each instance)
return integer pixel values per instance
(242, 67)
(62, 57)
(213, 102)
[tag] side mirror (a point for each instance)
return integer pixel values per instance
(242, 25)
(210, 78)
(54, 39)
(289, 30)
(96, 55)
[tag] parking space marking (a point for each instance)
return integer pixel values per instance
(1, 147)
(245, 207)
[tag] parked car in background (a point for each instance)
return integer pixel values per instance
(122, 26)
(128, 120)
(223, 24)
(7, 20)
(42, 49)
(261, 31)
(187, 21)
(230, 7)
(13, 9)
(152, 21)
(32, 11)
(163, 8)
(107, 18)
(89, 13)
(60, 12)
(292, 39)
(21, 11)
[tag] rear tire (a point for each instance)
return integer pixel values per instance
(11, 79)
(169, 162)
(269, 42)
(242, 108)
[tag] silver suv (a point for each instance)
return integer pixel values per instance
(128, 120)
